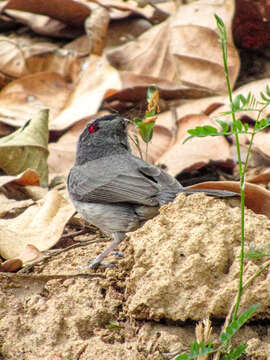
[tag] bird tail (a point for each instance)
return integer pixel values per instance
(217, 193)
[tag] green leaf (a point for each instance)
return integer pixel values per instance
(246, 127)
(249, 97)
(255, 255)
(221, 28)
(235, 105)
(243, 100)
(260, 125)
(235, 353)
(263, 95)
(237, 126)
(196, 350)
(149, 94)
(235, 325)
(150, 113)
(202, 131)
(146, 131)
(137, 121)
(223, 124)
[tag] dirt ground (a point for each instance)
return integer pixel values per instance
(179, 268)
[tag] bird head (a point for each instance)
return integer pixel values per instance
(102, 136)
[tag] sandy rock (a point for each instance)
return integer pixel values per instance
(186, 261)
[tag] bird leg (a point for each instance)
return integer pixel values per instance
(118, 237)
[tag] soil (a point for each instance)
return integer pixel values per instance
(179, 269)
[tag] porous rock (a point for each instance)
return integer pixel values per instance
(187, 261)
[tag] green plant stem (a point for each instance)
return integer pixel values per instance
(223, 41)
(146, 152)
(136, 142)
(256, 274)
(242, 194)
(252, 137)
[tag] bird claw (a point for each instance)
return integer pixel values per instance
(118, 253)
(93, 264)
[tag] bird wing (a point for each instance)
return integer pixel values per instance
(121, 178)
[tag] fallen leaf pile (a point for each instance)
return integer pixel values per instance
(88, 59)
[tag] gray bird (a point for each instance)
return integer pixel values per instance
(115, 190)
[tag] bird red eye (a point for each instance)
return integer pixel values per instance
(92, 128)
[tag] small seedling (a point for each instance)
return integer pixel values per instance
(145, 125)
(235, 127)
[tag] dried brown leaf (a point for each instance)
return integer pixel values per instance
(263, 177)
(87, 96)
(30, 254)
(96, 26)
(256, 197)
(11, 265)
(44, 25)
(197, 152)
(28, 177)
(73, 13)
(10, 205)
(22, 98)
(40, 225)
(173, 51)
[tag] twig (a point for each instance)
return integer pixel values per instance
(55, 252)
(50, 276)
(174, 125)
(76, 233)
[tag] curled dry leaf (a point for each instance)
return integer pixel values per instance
(27, 148)
(196, 152)
(86, 98)
(125, 30)
(44, 25)
(261, 178)
(73, 13)
(11, 265)
(24, 55)
(67, 103)
(205, 105)
(96, 26)
(262, 143)
(30, 254)
(80, 46)
(22, 98)
(121, 9)
(173, 51)
(256, 197)
(40, 225)
(28, 177)
(11, 205)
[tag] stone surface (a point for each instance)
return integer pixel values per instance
(186, 261)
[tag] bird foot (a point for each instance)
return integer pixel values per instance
(93, 264)
(118, 253)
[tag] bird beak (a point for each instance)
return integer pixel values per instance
(126, 121)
